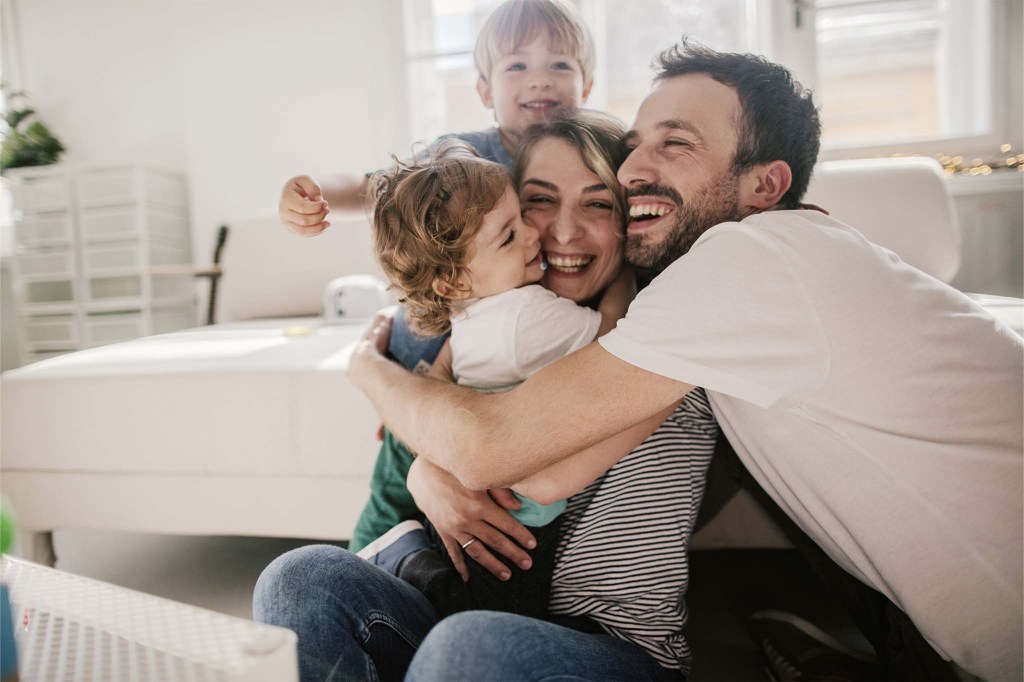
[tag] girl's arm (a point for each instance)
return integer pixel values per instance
(573, 474)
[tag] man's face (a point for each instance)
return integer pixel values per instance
(678, 178)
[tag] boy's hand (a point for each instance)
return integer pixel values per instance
(302, 209)
(459, 515)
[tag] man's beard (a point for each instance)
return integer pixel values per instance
(715, 202)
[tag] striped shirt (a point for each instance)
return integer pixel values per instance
(622, 557)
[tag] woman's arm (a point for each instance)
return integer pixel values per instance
(573, 474)
(616, 299)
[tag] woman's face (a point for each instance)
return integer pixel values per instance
(580, 227)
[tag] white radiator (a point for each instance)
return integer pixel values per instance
(73, 628)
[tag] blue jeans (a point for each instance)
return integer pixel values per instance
(355, 621)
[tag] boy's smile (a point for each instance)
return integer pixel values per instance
(532, 83)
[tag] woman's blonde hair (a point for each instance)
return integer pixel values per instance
(596, 136)
(519, 22)
(424, 221)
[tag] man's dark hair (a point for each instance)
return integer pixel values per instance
(779, 122)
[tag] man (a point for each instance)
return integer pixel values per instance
(879, 408)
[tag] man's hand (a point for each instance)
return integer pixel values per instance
(302, 208)
(460, 515)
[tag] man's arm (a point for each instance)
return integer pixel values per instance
(494, 440)
(574, 473)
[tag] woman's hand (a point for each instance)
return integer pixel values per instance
(460, 515)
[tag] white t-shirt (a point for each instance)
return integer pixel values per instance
(880, 408)
(502, 340)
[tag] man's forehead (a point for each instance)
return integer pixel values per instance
(694, 101)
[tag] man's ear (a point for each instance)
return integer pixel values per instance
(763, 186)
(446, 290)
(587, 87)
(484, 90)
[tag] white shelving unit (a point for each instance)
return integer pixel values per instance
(93, 248)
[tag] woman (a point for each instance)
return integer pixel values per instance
(621, 564)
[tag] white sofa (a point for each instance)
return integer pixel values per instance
(250, 427)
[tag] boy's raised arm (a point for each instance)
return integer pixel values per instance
(306, 201)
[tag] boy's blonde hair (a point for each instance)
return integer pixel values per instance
(518, 22)
(424, 221)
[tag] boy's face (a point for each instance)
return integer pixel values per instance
(531, 84)
(506, 252)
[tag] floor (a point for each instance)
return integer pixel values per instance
(218, 573)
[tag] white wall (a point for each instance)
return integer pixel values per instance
(241, 94)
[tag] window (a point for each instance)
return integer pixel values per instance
(888, 74)
(892, 71)
(440, 36)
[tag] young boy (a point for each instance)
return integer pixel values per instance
(533, 58)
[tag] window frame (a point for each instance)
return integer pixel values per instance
(795, 48)
(771, 24)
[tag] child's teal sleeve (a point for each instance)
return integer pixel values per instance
(536, 514)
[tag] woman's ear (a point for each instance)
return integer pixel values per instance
(763, 186)
(484, 90)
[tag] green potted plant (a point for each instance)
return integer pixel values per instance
(26, 140)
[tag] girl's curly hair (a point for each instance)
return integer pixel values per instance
(425, 217)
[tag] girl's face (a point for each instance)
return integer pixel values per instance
(581, 230)
(506, 253)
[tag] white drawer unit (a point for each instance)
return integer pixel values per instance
(60, 291)
(45, 263)
(133, 255)
(138, 289)
(102, 328)
(133, 222)
(40, 189)
(103, 254)
(51, 333)
(44, 229)
(115, 185)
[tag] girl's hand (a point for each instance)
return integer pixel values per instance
(460, 515)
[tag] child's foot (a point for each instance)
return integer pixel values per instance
(390, 550)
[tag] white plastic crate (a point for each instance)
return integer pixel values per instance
(30, 357)
(113, 327)
(46, 263)
(162, 288)
(40, 189)
(129, 222)
(129, 184)
(50, 332)
(133, 254)
(107, 288)
(44, 229)
(73, 628)
(57, 291)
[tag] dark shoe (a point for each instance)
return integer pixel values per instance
(390, 550)
(433, 575)
(797, 649)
